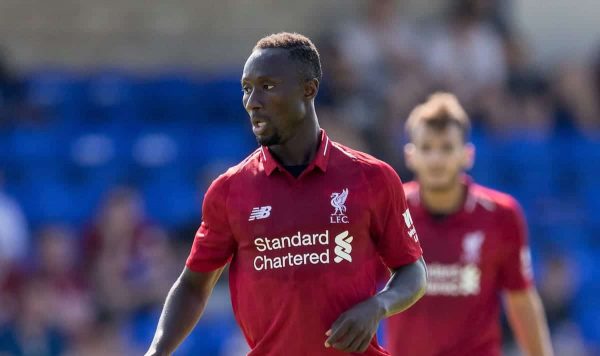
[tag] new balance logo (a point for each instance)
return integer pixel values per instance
(262, 212)
(344, 248)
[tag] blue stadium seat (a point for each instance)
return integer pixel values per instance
(566, 235)
(222, 142)
(565, 163)
(5, 137)
(171, 98)
(100, 146)
(34, 142)
(587, 312)
(527, 169)
(112, 96)
(33, 154)
(485, 169)
(156, 147)
(222, 100)
(98, 156)
(173, 201)
(58, 94)
(162, 169)
(47, 200)
(587, 164)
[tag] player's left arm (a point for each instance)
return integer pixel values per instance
(528, 322)
(355, 328)
(524, 307)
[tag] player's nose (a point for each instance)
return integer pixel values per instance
(437, 157)
(253, 102)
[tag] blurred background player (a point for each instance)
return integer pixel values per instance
(475, 243)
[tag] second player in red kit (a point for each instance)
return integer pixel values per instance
(305, 223)
(475, 244)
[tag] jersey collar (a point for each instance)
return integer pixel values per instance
(470, 199)
(320, 160)
(468, 206)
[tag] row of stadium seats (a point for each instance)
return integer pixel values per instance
(54, 175)
(114, 95)
(161, 132)
(166, 160)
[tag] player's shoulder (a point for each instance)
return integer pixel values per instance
(504, 212)
(411, 191)
(411, 187)
(494, 200)
(365, 161)
(237, 171)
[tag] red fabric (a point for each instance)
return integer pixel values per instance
(285, 306)
(459, 315)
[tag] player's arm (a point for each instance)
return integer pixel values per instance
(354, 329)
(405, 287)
(183, 307)
(528, 322)
(523, 305)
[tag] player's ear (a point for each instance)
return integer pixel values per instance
(468, 156)
(409, 155)
(311, 88)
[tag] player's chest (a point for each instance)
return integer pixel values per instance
(459, 242)
(278, 205)
(461, 258)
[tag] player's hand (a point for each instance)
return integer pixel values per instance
(355, 328)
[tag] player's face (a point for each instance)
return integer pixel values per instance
(274, 95)
(438, 158)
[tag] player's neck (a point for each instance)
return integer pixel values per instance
(446, 201)
(301, 148)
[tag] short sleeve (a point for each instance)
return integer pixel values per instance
(516, 271)
(213, 244)
(392, 228)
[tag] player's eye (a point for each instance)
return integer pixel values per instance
(268, 86)
(246, 89)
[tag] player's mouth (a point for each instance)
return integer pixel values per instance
(437, 174)
(259, 126)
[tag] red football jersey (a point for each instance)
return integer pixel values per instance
(472, 256)
(303, 250)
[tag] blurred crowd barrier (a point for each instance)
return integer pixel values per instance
(102, 172)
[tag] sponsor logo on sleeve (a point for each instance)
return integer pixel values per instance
(526, 266)
(412, 232)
